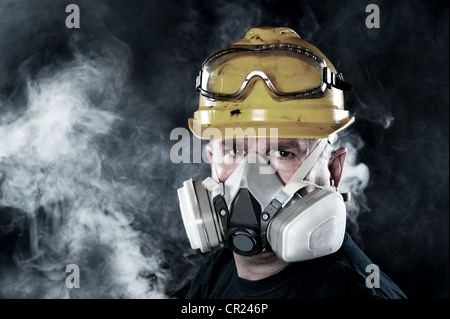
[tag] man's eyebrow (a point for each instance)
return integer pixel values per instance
(232, 142)
(299, 146)
(289, 144)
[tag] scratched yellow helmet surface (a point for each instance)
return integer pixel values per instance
(270, 79)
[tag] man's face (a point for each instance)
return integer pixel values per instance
(285, 155)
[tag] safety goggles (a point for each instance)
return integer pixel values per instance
(289, 72)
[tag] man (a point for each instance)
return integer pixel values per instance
(272, 104)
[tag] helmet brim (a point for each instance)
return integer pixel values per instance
(267, 130)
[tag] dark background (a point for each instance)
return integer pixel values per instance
(86, 116)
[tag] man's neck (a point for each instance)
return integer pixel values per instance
(259, 266)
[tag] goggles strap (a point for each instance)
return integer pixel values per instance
(335, 80)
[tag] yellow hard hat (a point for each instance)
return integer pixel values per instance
(269, 79)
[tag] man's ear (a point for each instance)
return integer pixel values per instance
(336, 165)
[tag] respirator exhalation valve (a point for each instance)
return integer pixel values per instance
(243, 224)
(244, 242)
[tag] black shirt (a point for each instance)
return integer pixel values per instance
(339, 275)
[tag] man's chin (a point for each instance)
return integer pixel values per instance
(261, 258)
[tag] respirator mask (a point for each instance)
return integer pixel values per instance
(253, 211)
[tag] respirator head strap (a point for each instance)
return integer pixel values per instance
(296, 182)
(267, 215)
(213, 186)
(309, 162)
(222, 210)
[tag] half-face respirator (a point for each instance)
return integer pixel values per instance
(253, 211)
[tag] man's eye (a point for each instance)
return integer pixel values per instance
(236, 152)
(283, 154)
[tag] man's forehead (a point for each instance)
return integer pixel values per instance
(299, 143)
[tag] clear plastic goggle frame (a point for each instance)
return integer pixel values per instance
(328, 79)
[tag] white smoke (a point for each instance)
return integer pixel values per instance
(51, 170)
(355, 177)
(65, 166)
